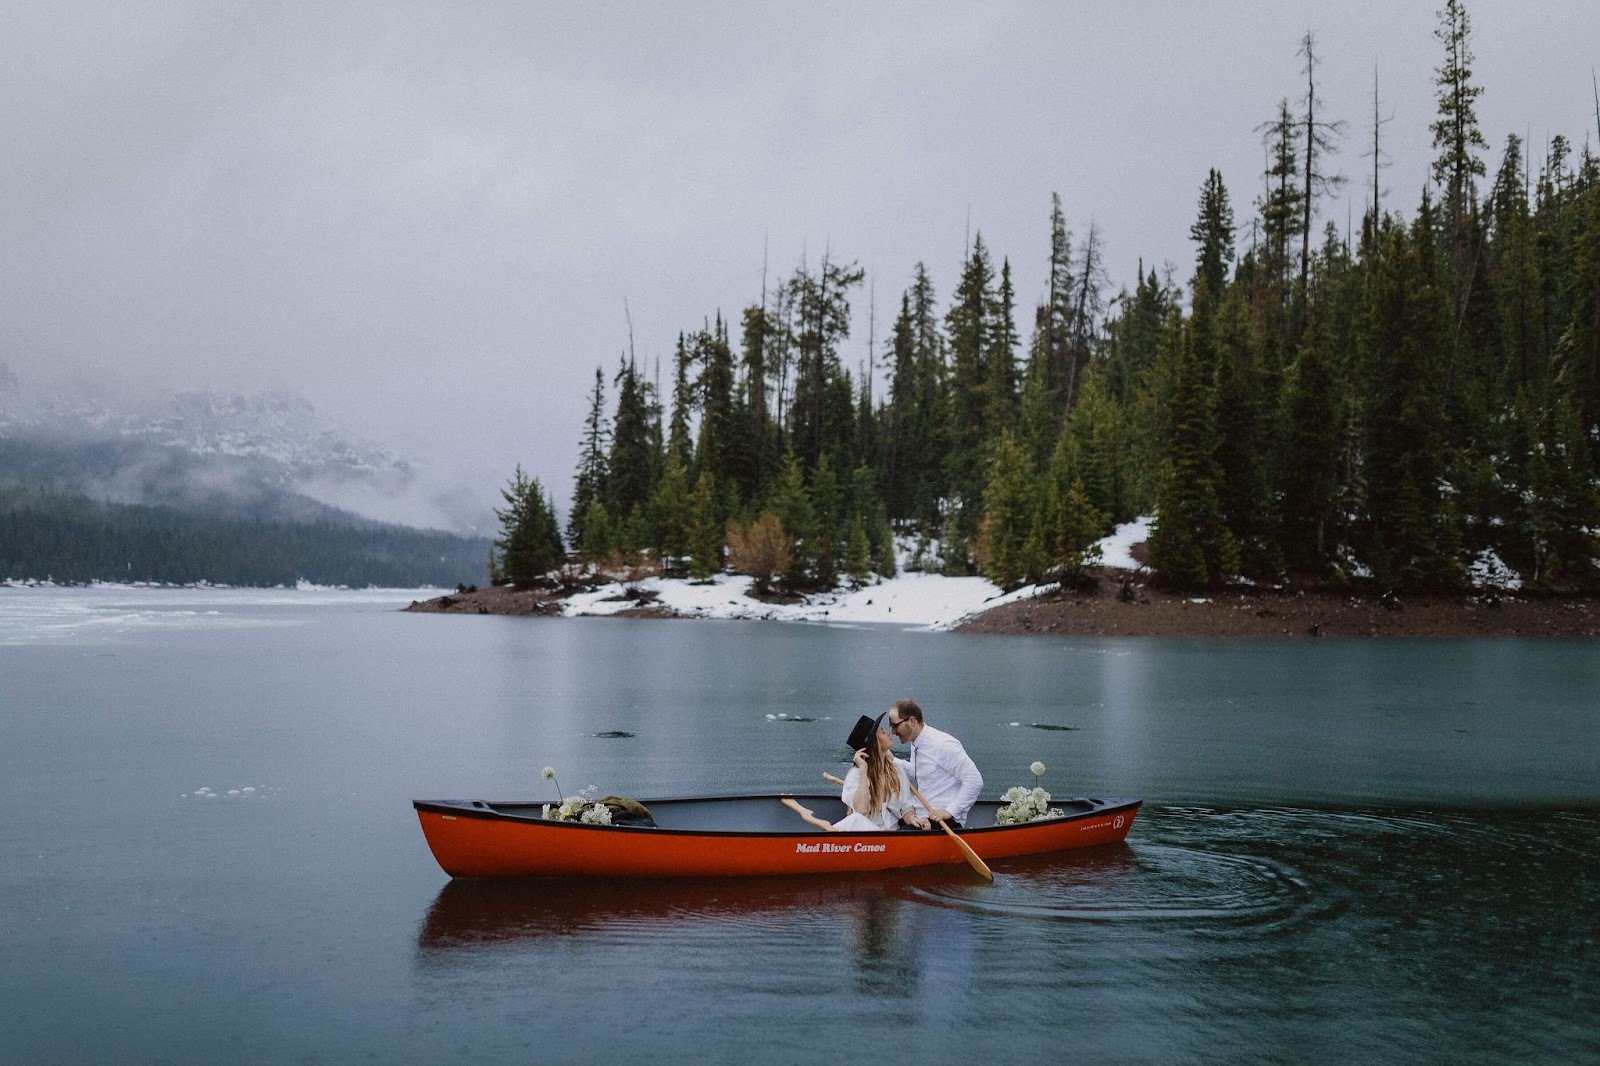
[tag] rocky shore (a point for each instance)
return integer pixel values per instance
(1116, 609)
(1124, 604)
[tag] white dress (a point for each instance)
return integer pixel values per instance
(893, 807)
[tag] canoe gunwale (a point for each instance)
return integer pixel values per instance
(471, 838)
(492, 811)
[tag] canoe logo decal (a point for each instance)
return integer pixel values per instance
(1117, 824)
(825, 846)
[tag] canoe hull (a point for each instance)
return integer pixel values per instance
(476, 839)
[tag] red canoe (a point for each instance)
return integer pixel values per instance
(736, 836)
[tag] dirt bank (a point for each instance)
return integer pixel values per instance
(1123, 604)
(1144, 611)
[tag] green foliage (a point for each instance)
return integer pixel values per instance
(669, 515)
(590, 484)
(1012, 546)
(530, 540)
(1074, 529)
(791, 505)
(1329, 414)
(1190, 543)
(599, 538)
(69, 538)
(705, 529)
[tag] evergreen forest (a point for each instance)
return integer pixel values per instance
(1383, 407)
(47, 535)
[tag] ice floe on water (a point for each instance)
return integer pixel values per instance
(44, 614)
(239, 792)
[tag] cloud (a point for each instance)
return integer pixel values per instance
(427, 217)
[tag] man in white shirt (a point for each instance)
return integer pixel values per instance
(940, 767)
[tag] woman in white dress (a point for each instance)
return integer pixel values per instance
(876, 789)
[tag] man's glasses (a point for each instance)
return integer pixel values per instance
(894, 726)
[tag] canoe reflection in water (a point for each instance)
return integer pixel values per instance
(909, 935)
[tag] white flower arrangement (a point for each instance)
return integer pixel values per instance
(580, 808)
(1027, 804)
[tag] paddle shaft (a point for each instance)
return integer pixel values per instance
(966, 849)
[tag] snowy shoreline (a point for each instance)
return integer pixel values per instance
(931, 601)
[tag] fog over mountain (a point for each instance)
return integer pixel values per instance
(435, 220)
(224, 451)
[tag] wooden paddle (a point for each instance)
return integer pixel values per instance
(966, 849)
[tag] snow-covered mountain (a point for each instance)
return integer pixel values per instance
(197, 449)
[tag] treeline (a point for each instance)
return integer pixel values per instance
(46, 535)
(1385, 406)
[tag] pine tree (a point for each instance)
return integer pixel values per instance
(715, 387)
(530, 539)
(1011, 516)
(669, 515)
(1309, 476)
(1001, 345)
(683, 407)
(1098, 451)
(631, 466)
(1134, 336)
(822, 303)
(827, 504)
(1088, 309)
(1190, 544)
(1282, 211)
(590, 484)
(857, 553)
(1212, 233)
(1244, 490)
(791, 504)
(1457, 139)
(911, 468)
(1320, 138)
(967, 328)
(1517, 282)
(705, 529)
(599, 540)
(885, 561)
(1053, 344)
(1408, 532)
(1074, 528)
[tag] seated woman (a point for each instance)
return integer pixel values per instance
(876, 789)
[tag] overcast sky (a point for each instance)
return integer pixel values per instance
(426, 218)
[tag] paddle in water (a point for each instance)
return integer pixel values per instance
(966, 849)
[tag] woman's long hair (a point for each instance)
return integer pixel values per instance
(882, 779)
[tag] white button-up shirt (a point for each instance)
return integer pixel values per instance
(944, 773)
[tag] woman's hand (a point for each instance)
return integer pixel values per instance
(861, 759)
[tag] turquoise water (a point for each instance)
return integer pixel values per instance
(1350, 851)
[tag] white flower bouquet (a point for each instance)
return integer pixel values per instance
(1027, 804)
(581, 807)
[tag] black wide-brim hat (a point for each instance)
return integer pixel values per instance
(865, 729)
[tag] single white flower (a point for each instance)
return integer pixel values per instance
(1038, 769)
(549, 773)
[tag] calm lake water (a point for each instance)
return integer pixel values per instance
(1349, 851)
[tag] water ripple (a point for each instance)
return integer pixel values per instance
(1148, 883)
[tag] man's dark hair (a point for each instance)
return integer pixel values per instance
(907, 709)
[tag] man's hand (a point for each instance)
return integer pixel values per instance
(941, 815)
